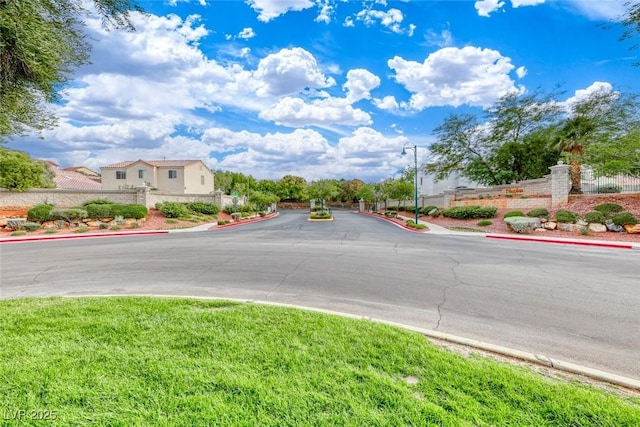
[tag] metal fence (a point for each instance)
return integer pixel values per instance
(593, 184)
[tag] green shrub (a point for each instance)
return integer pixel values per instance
(115, 228)
(174, 210)
(467, 212)
(412, 224)
(508, 195)
(203, 208)
(99, 210)
(608, 209)
(484, 223)
(539, 213)
(39, 213)
(513, 213)
(67, 214)
(171, 221)
(609, 188)
(134, 225)
(595, 217)
(392, 208)
(320, 215)
(82, 229)
(31, 226)
(51, 231)
(564, 215)
(97, 202)
(131, 211)
(624, 218)
(19, 233)
(521, 224)
(103, 226)
(426, 209)
(221, 222)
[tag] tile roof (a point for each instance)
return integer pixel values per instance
(157, 163)
(73, 180)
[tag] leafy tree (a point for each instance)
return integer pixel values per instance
(19, 172)
(631, 20)
(619, 157)
(367, 192)
(263, 199)
(292, 187)
(594, 127)
(41, 42)
(323, 189)
(400, 190)
(349, 189)
(490, 149)
(267, 186)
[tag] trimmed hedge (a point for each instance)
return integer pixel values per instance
(470, 212)
(129, 211)
(173, 209)
(595, 217)
(609, 209)
(39, 213)
(539, 213)
(564, 215)
(99, 210)
(624, 218)
(67, 214)
(513, 214)
(426, 209)
(203, 208)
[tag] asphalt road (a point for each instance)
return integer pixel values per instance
(573, 303)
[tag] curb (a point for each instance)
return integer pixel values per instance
(567, 241)
(424, 230)
(247, 221)
(538, 359)
(80, 236)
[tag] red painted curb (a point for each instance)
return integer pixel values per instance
(247, 221)
(563, 242)
(81, 236)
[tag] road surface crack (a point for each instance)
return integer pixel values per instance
(285, 278)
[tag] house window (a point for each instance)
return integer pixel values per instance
(173, 174)
(201, 179)
(142, 174)
(121, 174)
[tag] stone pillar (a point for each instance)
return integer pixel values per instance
(361, 205)
(312, 204)
(560, 183)
(217, 197)
(449, 196)
(142, 195)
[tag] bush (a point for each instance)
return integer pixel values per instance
(609, 188)
(99, 210)
(466, 212)
(82, 229)
(595, 217)
(173, 210)
(203, 208)
(392, 208)
(320, 215)
(222, 222)
(18, 233)
(513, 213)
(31, 226)
(624, 218)
(69, 214)
(130, 211)
(608, 209)
(115, 228)
(39, 213)
(51, 231)
(426, 209)
(564, 215)
(484, 223)
(134, 225)
(539, 213)
(412, 224)
(16, 223)
(97, 202)
(521, 224)
(103, 226)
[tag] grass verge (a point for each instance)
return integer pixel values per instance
(160, 361)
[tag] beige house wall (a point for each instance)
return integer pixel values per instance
(198, 179)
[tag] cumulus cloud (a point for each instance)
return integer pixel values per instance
(246, 34)
(271, 9)
(387, 103)
(391, 18)
(454, 77)
(487, 7)
(583, 94)
(521, 72)
(520, 3)
(289, 71)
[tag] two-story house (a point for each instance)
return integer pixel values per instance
(169, 176)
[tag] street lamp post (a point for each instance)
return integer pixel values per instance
(414, 147)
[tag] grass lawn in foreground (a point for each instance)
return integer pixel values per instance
(163, 361)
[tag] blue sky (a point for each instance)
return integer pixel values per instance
(320, 88)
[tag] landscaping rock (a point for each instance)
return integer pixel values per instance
(597, 228)
(632, 229)
(566, 226)
(614, 227)
(550, 225)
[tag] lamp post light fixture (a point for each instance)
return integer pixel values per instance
(414, 147)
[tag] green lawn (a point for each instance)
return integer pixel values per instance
(163, 361)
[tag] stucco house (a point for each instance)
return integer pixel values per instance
(169, 176)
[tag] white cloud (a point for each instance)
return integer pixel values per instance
(442, 39)
(246, 34)
(289, 71)
(359, 84)
(391, 18)
(323, 112)
(521, 72)
(582, 94)
(487, 7)
(271, 9)
(387, 103)
(454, 77)
(599, 9)
(175, 2)
(520, 3)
